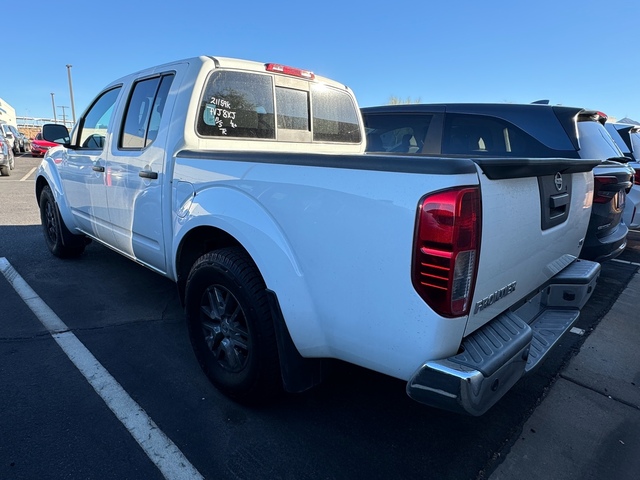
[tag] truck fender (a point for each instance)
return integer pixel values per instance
(242, 217)
(48, 174)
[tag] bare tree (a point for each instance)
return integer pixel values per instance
(393, 100)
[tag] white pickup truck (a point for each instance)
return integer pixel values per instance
(247, 185)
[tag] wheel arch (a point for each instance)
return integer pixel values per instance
(48, 175)
(225, 216)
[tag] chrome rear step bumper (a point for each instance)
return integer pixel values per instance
(493, 358)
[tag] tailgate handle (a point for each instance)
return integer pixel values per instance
(558, 201)
(148, 174)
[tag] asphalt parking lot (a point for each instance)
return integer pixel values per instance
(576, 417)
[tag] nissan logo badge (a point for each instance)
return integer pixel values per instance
(558, 181)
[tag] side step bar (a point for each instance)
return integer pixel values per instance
(493, 358)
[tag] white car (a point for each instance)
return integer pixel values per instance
(13, 137)
(627, 137)
(7, 160)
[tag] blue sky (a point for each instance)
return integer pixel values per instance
(572, 52)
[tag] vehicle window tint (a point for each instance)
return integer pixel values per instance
(335, 118)
(293, 109)
(595, 142)
(142, 118)
(96, 120)
(635, 143)
(157, 108)
(396, 133)
(617, 138)
(483, 135)
(138, 113)
(237, 104)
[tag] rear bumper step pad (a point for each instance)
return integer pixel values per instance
(493, 358)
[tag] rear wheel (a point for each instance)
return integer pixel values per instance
(4, 170)
(230, 325)
(54, 229)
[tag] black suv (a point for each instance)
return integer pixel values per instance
(627, 137)
(515, 130)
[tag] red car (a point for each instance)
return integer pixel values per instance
(39, 146)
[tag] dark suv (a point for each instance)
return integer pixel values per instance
(527, 131)
(627, 137)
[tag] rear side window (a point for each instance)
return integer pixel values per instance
(635, 143)
(335, 117)
(405, 133)
(237, 104)
(595, 142)
(484, 135)
(144, 111)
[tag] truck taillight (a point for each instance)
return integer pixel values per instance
(602, 191)
(446, 250)
(636, 177)
(296, 72)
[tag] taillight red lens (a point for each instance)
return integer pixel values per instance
(446, 249)
(636, 177)
(600, 192)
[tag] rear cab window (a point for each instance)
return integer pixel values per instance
(252, 105)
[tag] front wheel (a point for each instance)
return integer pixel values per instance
(54, 229)
(230, 325)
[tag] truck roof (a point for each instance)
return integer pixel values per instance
(229, 63)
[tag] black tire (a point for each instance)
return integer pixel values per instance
(230, 326)
(60, 241)
(4, 170)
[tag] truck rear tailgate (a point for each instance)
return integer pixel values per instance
(535, 215)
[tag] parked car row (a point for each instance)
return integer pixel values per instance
(627, 137)
(530, 131)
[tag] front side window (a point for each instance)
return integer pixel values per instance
(96, 120)
(237, 104)
(335, 118)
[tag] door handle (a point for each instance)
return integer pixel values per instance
(148, 174)
(98, 168)
(558, 201)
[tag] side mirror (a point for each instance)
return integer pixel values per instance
(56, 133)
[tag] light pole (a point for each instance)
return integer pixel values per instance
(73, 109)
(53, 104)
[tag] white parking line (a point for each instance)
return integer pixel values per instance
(28, 174)
(625, 262)
(158, 447)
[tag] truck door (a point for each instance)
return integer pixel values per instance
(135, 170)
(82, 168)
